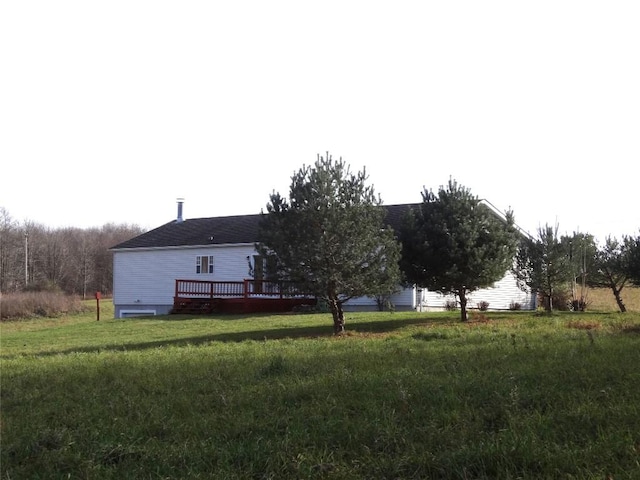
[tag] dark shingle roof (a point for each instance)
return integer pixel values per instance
(198, 231)
(221, 230)
(395, 214)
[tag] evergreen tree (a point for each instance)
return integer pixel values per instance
(543, 264)
(329, 237)
(611, 268)
(455, 244)
(633, 259)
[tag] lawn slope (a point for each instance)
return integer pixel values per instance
(404, 395)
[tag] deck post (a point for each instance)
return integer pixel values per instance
(246, 288)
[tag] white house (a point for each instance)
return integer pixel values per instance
(219, 250)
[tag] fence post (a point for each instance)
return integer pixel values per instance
(97, 306)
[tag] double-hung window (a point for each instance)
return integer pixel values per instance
(204, 264)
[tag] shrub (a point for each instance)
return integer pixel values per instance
(450, 305)
(483, 306)
(38, 304)
(515, 305)
(383, 302)
(579, 304)
(561, 301)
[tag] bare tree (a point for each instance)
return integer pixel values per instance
(72, 260)
(11, 246)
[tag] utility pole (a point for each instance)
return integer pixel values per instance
(26, 258)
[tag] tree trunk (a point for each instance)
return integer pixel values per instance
(338, 315)
(616, 293)
(549, 305)
(462, 294)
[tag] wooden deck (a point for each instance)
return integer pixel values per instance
(246, 296)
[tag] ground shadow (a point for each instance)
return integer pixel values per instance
(266, 334)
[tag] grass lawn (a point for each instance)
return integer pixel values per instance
(402, 395)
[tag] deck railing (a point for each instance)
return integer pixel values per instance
(245, 288)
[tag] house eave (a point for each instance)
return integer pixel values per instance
(182, 247)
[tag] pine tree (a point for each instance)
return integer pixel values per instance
(611, 268)
(633, 260)
(329, 237)
(543, 264)
(455, 244)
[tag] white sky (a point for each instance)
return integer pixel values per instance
(111, 110)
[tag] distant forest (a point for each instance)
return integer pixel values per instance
(75, 261)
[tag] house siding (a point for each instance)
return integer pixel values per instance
(402, 300)
(144, 279)
(146, 266)
(504, 294)
(144, 282)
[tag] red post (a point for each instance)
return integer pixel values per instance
(97, 306)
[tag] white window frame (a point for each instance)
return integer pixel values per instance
(208, 267)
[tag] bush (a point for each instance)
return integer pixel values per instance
(38, 304)
(383, 302)
(450, 305)
(483, 306)
(579, 304)
(515, 306)
(561, 301)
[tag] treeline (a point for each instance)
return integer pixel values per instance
(560, 268)
(76, 261)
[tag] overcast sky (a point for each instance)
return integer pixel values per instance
(111, 110)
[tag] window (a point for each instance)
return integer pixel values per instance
(204, 264)
(135, 313)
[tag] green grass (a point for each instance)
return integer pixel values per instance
(405, 395)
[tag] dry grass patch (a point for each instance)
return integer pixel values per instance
(584, 324)
(478, 317)
(601, 299)
(26, 305)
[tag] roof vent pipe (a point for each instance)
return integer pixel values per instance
(180, 202)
